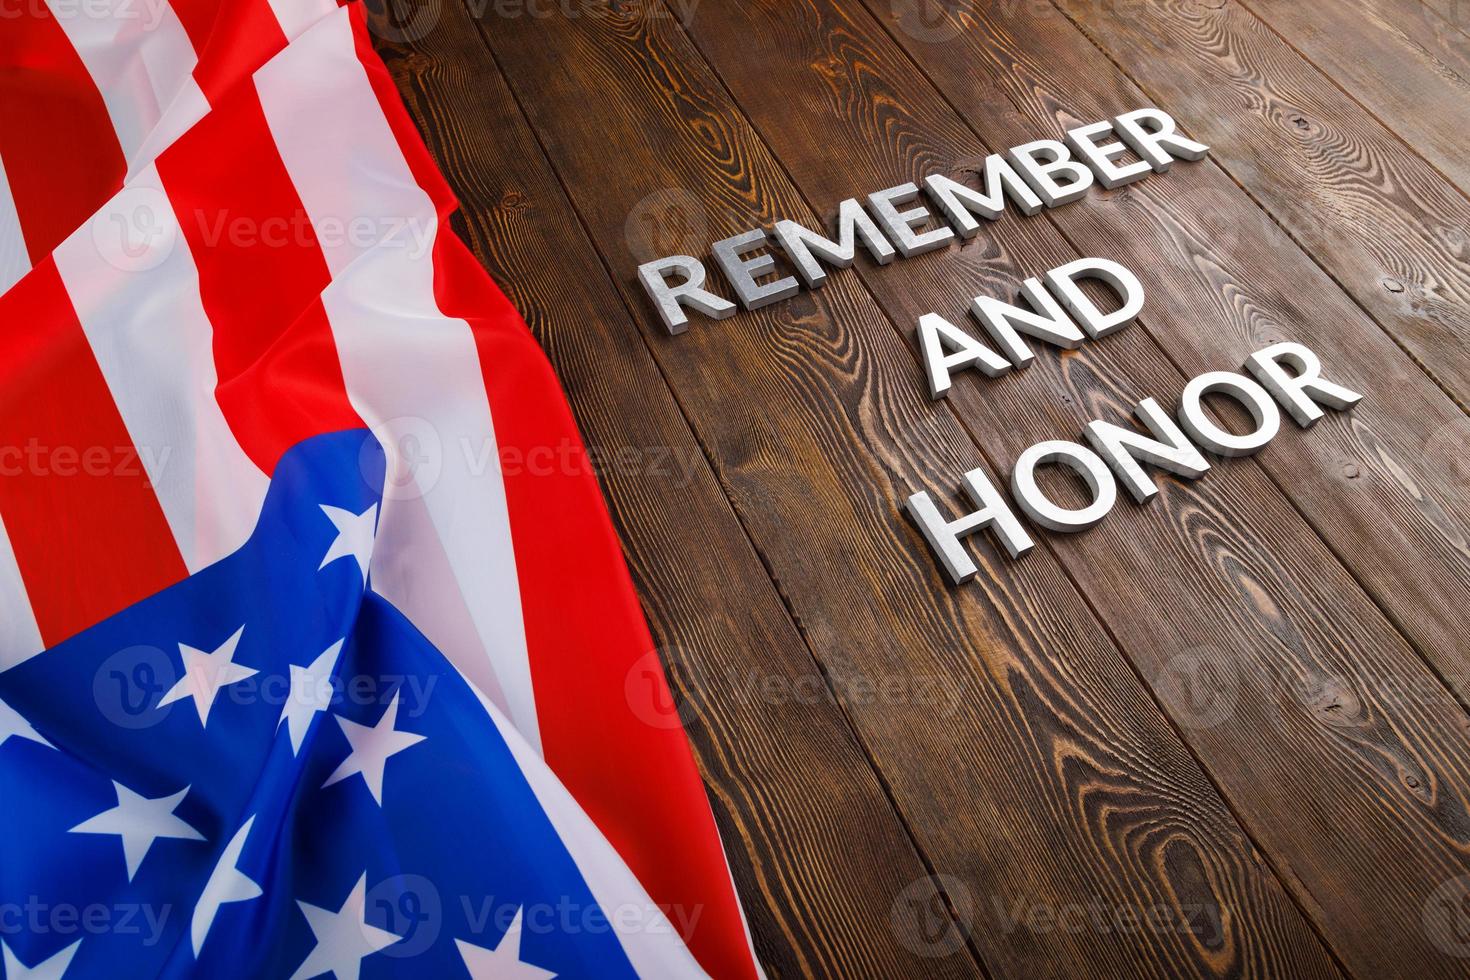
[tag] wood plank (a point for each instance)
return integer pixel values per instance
(817, 429)
(1376, 216)
(1456, 13)
(1388, 487)
(1424, 98)
(1224, 568)
(817, 850)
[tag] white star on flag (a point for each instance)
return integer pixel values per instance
(206, 673)
(371, 748)
(226, 884)
(354, 536)
(50, 968)
(504, 961)
(12, 724)
(311, 692)
(139, 821)
(343, 937)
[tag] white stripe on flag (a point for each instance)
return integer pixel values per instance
(141, 60)
(652, 944)
(187, 108)
(135, 289)
(190, 105)
(20, 637)
(15, 261)
(411, 373)
(295, 16)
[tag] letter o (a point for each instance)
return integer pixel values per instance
(1082, 461)
(1251, 396)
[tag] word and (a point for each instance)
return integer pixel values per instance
(1042, 173)
(946, 348)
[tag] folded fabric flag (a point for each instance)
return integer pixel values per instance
(294, 672)
(317, 786)
(92, 90)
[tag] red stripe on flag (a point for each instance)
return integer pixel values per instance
(57, 142)
(198, 17)
(261, 273)
(586, 635)
(88, 533)
(231, 40)
(585, 630)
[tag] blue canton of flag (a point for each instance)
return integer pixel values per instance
(266, 770)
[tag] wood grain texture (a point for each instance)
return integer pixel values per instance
(817, 850)
(1424, 98)
(1379, 218)
(1388, 487)
(1455, 13)
(816, 426)
(1224, 571)
(1110, 727)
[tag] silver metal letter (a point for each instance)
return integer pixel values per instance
(1063, 282)
(1040, 161)
(1005, 323)
(1302, 389)
(1082, 461)
(669, 300)
(803, 246)
(1203, 430)
(944, 536)
(959, 204)
(1169, 449)
(1083, 141)
(900, 225)
(1151, 134)
(742, 272)
(937, 337)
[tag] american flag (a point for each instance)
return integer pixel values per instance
(297, 677)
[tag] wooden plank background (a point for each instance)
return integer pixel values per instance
(1224, 734)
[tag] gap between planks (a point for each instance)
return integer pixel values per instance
(1046, 541)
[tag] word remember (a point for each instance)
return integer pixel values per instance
(1043, 173)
